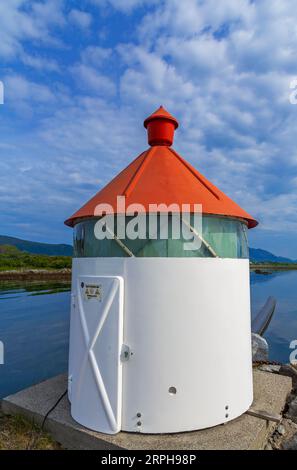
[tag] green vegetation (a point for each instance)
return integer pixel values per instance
(16, 433)
(11, 258)
(272, 265)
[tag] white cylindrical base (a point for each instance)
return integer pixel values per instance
(187, 323)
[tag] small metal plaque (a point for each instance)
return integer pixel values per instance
(93, 291)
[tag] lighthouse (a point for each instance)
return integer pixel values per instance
(160, 334)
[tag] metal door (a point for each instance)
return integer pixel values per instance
(96, 341)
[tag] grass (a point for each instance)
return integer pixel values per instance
(17, 433)
(11, 258)
(273, 266)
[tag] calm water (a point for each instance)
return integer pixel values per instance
(283, 327)
(34, 325)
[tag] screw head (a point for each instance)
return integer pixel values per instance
(226, 415)
(138, 415)
(82, 285)
(138, 423)
(226, 407)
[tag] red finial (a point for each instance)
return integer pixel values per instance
(160, 127)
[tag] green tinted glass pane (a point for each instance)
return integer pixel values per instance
(221, 236)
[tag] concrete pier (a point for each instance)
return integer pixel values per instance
(245, 432)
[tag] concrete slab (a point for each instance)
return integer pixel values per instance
(245, 432)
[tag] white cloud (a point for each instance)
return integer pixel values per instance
(199, 55)
(18, 89)
(30, 100)
(150, 79)
(95, 55)
(48, 12)
(80, 18)
(95, 128)
(192, 17)
(24, 20)
(89, 78)
(39, 63)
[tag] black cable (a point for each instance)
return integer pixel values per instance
(31, 443)
(52, 409)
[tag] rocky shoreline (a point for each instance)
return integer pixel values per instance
(285, 435)
(36, 275)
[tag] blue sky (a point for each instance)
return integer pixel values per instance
(80, 77)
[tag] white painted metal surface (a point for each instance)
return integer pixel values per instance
(187, 323)
(96, 337)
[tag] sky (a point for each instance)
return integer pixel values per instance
(80, 76)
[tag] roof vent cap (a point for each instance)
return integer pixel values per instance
(160, 127)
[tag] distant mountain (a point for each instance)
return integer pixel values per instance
(36, 247)
(257, 256)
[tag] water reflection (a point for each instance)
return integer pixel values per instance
(283, 327)
(32, 288)
(34, 327)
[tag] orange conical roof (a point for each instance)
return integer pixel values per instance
(161, 176)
